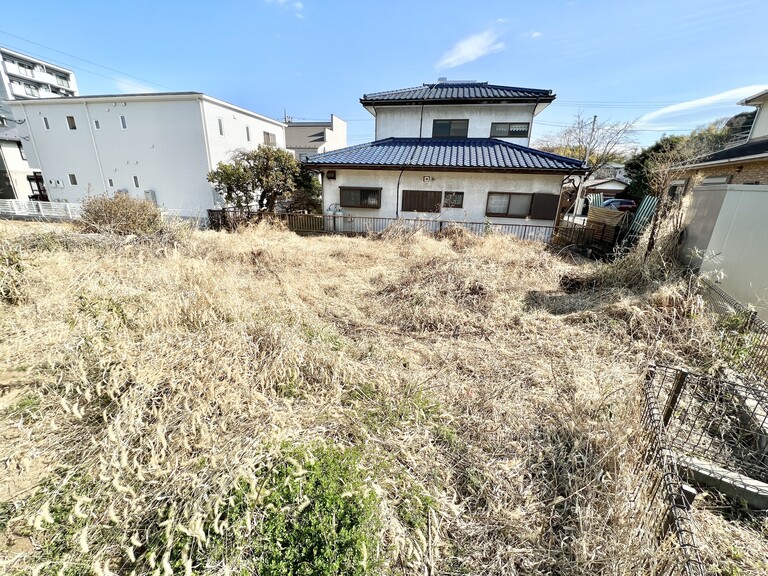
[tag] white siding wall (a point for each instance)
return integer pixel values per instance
(163, 146)
(404, 121)
(474, 185)
(17, 168)
(760, 127)
(234, 123)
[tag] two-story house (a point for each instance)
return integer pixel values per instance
(454, 151)
(726, 230)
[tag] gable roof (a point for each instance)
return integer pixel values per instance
(470, 154)
(458, 92)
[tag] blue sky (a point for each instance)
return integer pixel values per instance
(672, 64)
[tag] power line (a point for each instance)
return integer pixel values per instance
(84, 60)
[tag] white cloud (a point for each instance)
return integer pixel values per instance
(470, 49)
(128, 86)
(729, 97)
(297, 7)
(533, 34)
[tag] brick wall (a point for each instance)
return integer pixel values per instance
(741, 173)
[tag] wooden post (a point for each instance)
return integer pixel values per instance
(674, 396)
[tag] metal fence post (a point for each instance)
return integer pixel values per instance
(674, 396)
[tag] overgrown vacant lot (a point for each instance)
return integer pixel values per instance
(262, 403)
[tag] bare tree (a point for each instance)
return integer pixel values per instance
(606, 142)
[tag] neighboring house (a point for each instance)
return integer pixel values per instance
(17, 181)
(310, 138)
(608, 187)
(453, 151)
(611, 170)
(156, 146)
(24, 77)
(726, 219)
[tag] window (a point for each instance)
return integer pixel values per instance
(360, 197)
(135, 181)
(719, 179)
(508, 205)
(30, 90)
(71, 123)
(221, 127)
(510, 129)
(3, 121)
(123, 123)
(453, 200)
(450, 128)
(512, 205)
(46, 124)
(110, 182)
(270, 139)
(97, 125)
(62, 81)
(21, 151)
(72, 180)
(27, 69)
(248, 133)
(421, 200)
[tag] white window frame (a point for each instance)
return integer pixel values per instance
(72, 179)
(97, 125)
(123, 122)
(46, 123)
(221, 126)
(71, 125)
(136, 182)
(248, 133)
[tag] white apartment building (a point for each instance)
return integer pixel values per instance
(306, 139)
(157, 146)
(24, 77)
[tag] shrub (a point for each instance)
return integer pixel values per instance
(11, 274)
(120, 214)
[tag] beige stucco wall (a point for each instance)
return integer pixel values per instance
(474, 185)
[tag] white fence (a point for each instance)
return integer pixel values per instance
(53, 210)
(67, 211)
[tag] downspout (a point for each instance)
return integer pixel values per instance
(95, 148)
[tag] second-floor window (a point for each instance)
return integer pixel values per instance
(270, 139)
(30, 90)
(450, 128)
(62, 81)
(27, 69)
(71, 124)
(510, 129)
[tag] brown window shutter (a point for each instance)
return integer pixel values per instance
(544, 206)
(422, 200)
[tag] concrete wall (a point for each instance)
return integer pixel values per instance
(738, 240)
(475, 186)
(404, 121)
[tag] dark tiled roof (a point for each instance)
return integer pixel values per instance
(450, 92)
(748, 149)
(466, 153)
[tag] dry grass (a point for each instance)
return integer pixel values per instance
(474, 418)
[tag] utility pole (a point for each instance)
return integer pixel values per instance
(586, 161)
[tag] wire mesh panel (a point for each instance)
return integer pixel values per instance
(745, 335)
(720, 421)
(666, 518)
